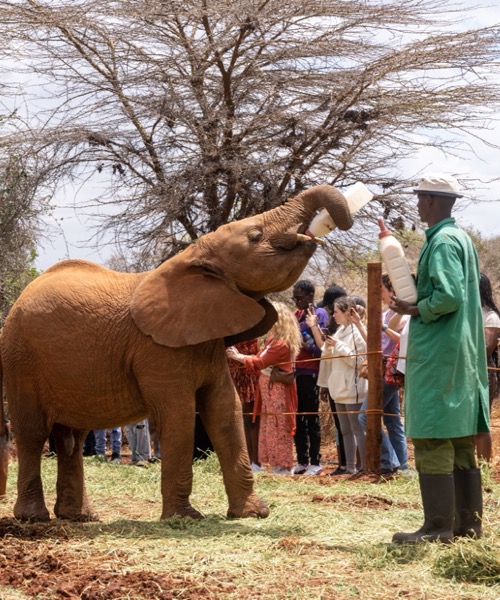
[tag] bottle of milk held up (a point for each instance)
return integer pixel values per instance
(356, 197)
(394, 260)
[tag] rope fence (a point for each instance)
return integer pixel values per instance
(367, 411)
(376, 352)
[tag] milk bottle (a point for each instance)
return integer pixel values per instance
(356, 196)
(394, 260)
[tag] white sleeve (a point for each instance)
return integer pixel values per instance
(403, 347)
(352, 351)
(325, 370)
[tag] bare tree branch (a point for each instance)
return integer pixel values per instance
(202, 112)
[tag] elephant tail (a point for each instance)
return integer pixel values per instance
(4, 440)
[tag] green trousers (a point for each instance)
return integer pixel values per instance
(441, 456)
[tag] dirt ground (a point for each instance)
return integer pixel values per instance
(45, 573)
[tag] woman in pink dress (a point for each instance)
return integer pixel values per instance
(275, 402)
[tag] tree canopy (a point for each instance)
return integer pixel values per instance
(198, 112)
(19, 215)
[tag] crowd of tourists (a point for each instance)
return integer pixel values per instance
(442, 350)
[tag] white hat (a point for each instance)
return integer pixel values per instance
(438, 184)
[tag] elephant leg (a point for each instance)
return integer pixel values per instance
(175, 430)
(30, 503)
(71, 502)
(221, 413)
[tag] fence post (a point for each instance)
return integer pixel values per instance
(375, 373)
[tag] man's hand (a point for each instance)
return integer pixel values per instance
(403, 308)
(312, 319)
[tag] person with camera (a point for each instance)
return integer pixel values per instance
(308, 434)
(342, 354)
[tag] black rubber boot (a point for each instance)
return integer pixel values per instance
(468, 503)
(438, 499)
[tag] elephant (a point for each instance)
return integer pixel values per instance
(85, 347)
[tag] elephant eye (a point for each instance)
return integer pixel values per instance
(255, 235)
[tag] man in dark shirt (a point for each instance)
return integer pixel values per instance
(308, 432)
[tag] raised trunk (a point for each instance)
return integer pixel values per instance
(295, 215)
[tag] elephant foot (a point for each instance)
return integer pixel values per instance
(183, 511)
(72, 513)
(81, 517)
(254, 507)
(33, 513)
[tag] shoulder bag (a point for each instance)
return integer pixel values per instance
(280, 376)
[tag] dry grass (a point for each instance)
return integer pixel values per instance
(324, 538)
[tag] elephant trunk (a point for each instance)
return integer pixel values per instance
(287, 224)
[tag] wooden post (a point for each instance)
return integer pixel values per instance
(375, 373)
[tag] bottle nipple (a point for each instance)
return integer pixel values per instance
(384, 232)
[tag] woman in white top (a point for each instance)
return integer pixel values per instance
(342, 355)
(491, 321)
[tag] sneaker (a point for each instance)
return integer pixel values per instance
(408, 473)
(153, 460)
(339, 471)
(389, 470)
(116, 459)
(280, 471)
(99, 458)
(256, 468)
(50, 454)
(299, 469)
(139, 463)
(313, 470)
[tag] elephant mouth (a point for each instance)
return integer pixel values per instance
(293, 238)
(308, 236)
(304, 234)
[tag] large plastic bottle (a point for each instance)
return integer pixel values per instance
(356, 196)
(394, 259)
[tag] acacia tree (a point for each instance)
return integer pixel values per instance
(204, 111)
(19, 215)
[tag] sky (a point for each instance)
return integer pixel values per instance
(69, 229)
(480, 208)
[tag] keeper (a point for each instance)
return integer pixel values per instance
(446, 382)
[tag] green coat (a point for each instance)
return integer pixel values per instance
(446, 381)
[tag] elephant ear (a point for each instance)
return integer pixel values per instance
(181, 304)
(261, 328)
